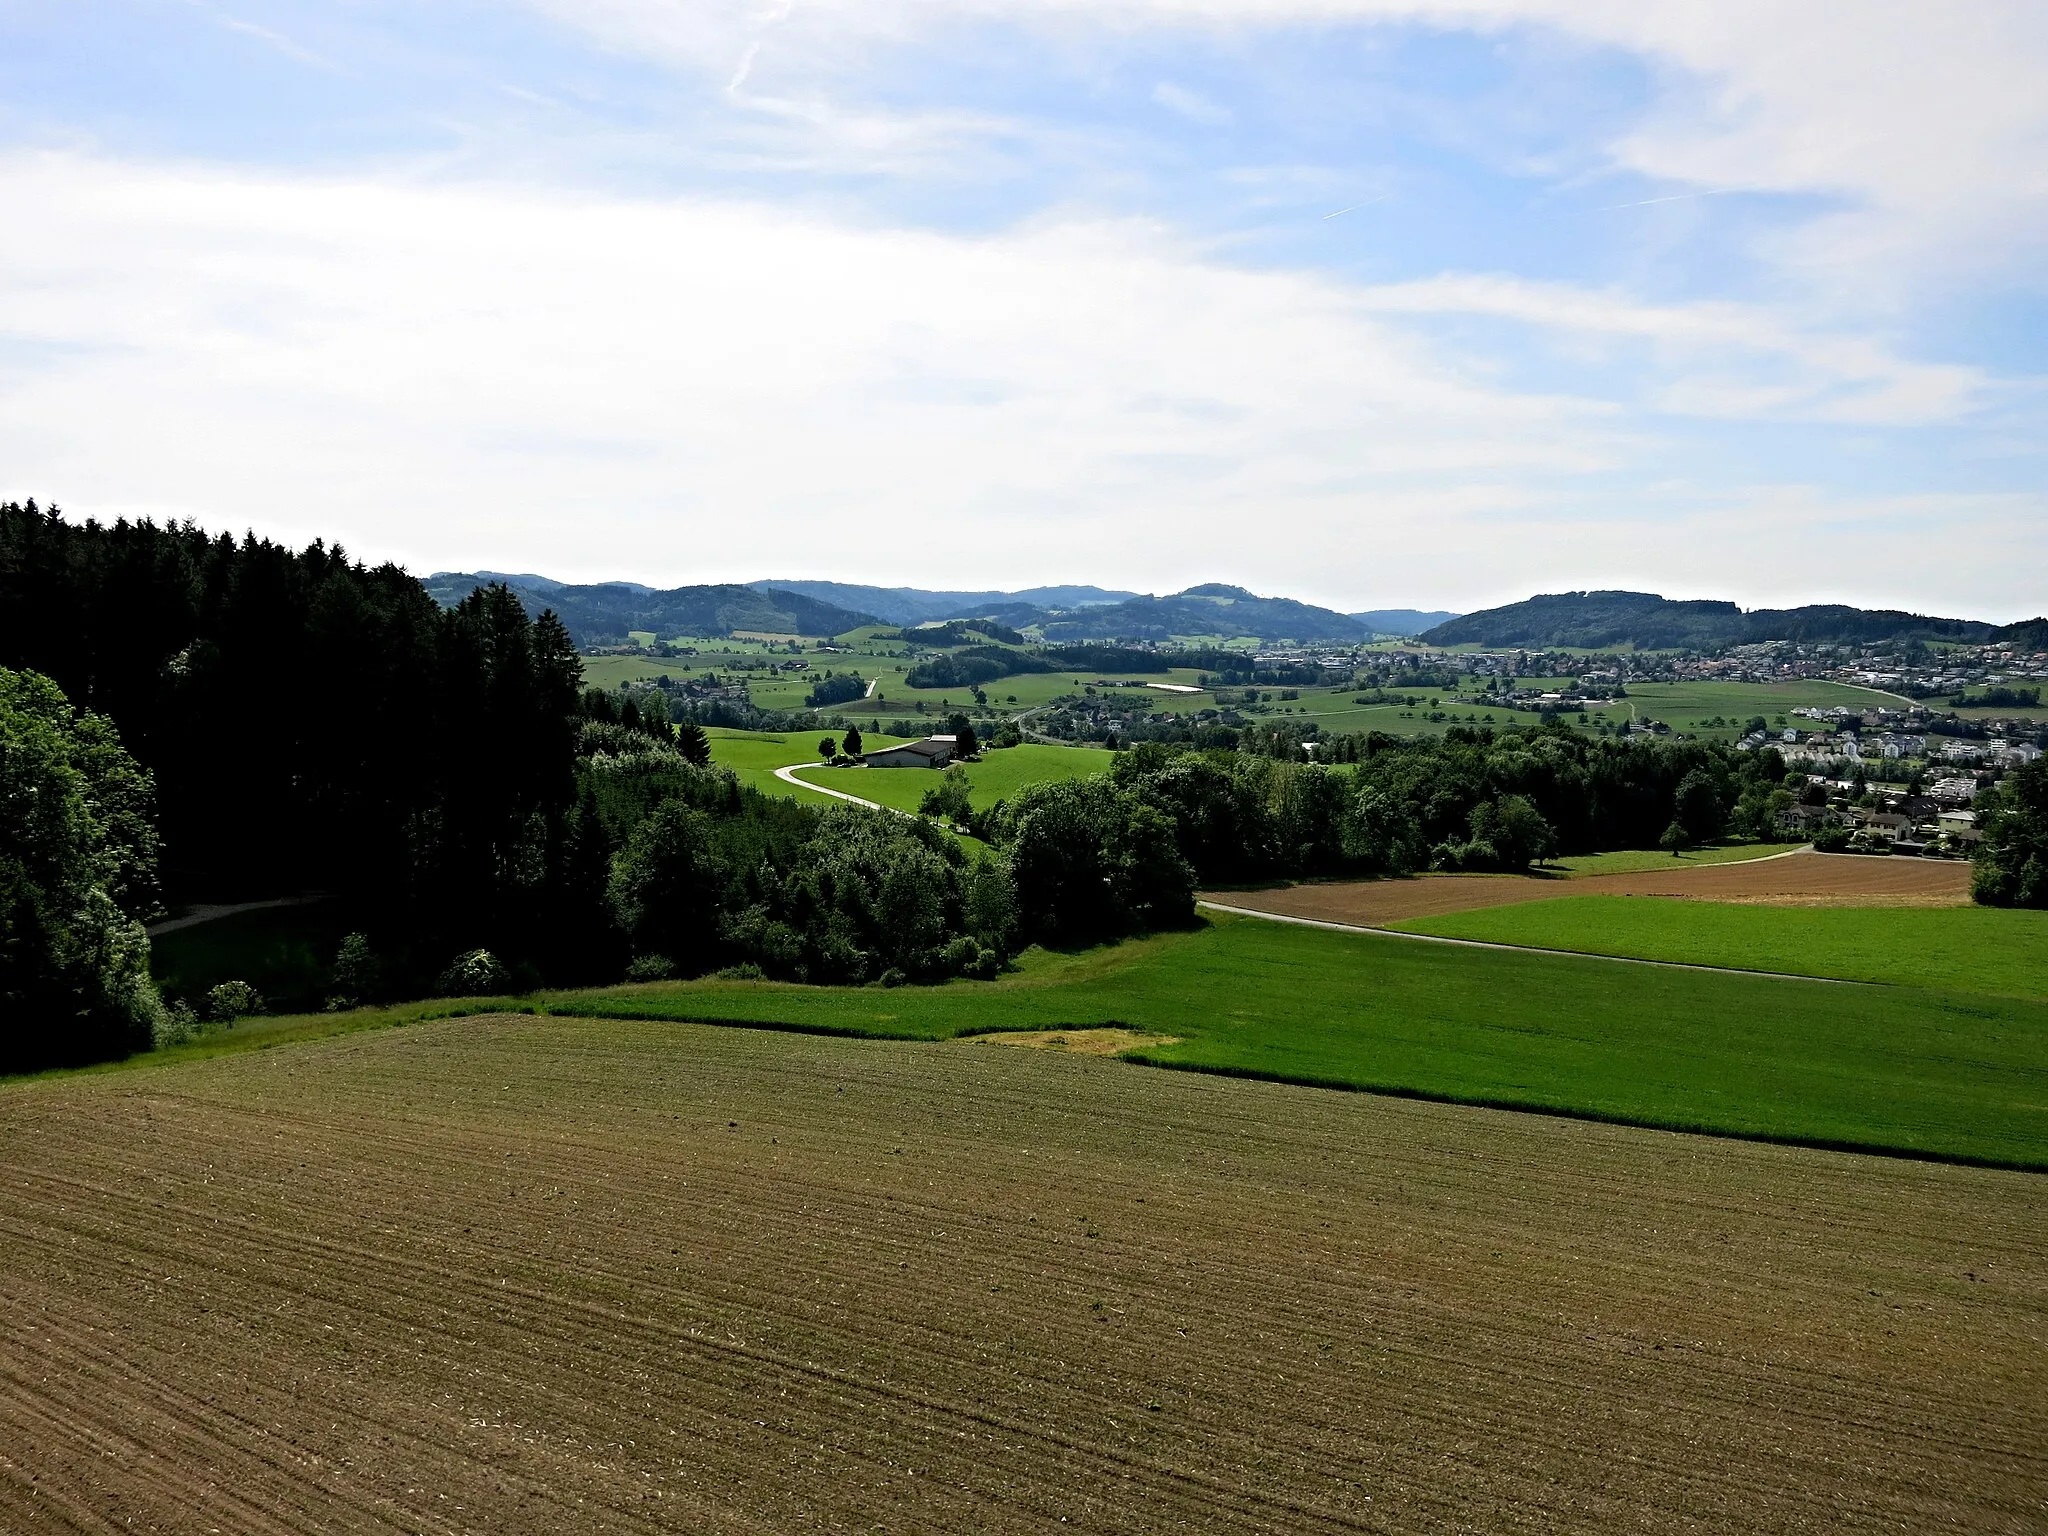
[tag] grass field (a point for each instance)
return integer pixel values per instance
(1689, 707)
(544, 1275)
(1968, 949)
(1943, 1074)
(1030, 690)
(755, 755)
(999, 775)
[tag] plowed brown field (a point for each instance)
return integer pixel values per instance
(550, 1275)
(1796, 880)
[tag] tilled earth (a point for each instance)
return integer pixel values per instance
(1799, 879)
(553, 1275)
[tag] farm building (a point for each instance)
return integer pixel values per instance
(932, 752)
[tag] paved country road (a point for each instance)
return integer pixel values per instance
(787, 774)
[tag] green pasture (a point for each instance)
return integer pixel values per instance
(1944, 1074)
(1893, 1068)
(755, 755)
(1635, 861)
(1990, 950)
(998, 776)
(1954, 1074)
(1032, 690)
(1689, 706)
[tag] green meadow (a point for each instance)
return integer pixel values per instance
(755, 755)
(998, 776)
(1945, 1074)
(1990, 950)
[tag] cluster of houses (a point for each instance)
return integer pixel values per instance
(1922, 824)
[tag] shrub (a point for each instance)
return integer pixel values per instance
(893, 977)
(232, 1000)
(177, 1024)
(475, 973)
(651, 968)
(357, 971)
(947, 800)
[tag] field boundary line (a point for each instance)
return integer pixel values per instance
(1527, 949)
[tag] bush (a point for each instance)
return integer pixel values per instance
(651, 968)
(232, 1000)
(477, 973)
(358, 974)
(947, 800)
(746, 970)
(177, 1024)
(893, 977)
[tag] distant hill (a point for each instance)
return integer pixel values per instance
(918, 605)
(1602, 620)
(605, 613)
(1401, 621)
(2028, 634)
(1210, 609)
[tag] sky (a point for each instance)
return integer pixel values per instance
(1374, 303)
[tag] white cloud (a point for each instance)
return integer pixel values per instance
(1192, 105)
(1926, 123)
(1718, 359)
(692, 390)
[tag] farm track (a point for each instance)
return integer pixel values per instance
(1795, 879)
(547, 1274)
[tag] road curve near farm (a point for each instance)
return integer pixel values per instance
(787, 774)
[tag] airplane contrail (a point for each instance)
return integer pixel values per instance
(1356, 206)
(1676, 197)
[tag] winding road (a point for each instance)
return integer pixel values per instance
(787, 773)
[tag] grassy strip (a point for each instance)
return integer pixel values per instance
(1974, 949)
(1636, 861)
(1953, 1076)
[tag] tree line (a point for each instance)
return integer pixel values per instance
(187, 717)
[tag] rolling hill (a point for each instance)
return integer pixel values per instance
(917, 605)
(605, 613)
(1604, 620)
(1402, 621)
(1210, 609)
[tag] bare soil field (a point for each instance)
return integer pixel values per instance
(551, 1275)
(1799, 879)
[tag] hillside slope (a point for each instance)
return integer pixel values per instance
(1601, 620)
(1210, 609)
(607, 612)
(916, 605)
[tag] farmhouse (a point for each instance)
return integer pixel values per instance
(932, 752)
